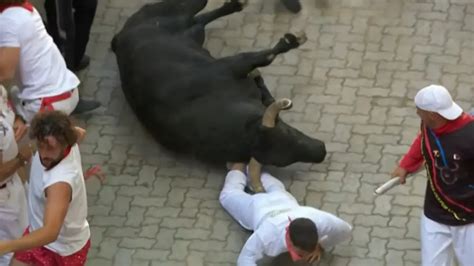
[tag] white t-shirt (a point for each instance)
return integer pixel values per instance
(269, 238)
(42, 70)
(75, 231)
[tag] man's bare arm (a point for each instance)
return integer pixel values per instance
(58, 197)
(9, 58)
(7, 169)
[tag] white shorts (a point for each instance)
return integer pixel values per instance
(29, 108)
(13, 213)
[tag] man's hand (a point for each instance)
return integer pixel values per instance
(401, 174)
(314, 256)
(81, 133)
(25, 152)
(20, 128)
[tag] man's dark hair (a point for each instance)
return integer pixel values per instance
(7, 2)
(304, 234)
(56, 124)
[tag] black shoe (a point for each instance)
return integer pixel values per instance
(85, 61)
(85, 106)
(292, 5)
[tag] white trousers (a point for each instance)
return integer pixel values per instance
(248, 209)
(29, 108)
(440, 243)
(13, 213)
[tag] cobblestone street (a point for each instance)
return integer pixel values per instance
(352, 85)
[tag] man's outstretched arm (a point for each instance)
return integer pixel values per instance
(252, 251)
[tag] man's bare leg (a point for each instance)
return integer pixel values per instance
(15, 262)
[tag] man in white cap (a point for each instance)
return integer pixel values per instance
(446, 147)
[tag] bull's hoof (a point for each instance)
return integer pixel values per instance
(258, 189)
(301, 37)
(238, 5)
(292, 5)
(284, 104)
(255, 73)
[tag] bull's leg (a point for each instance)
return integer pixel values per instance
(189, 7)
(226, 9)
(267, 97)
(242, 64)
(196, 33)
(268, 120)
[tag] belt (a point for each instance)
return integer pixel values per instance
(47, 102)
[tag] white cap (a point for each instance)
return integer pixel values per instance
(436, 98)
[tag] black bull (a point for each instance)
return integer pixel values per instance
(195, 104)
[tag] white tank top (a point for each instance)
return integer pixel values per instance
(75, 232)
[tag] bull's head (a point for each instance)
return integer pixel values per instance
(281, 145)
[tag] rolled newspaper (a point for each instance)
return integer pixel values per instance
(387, 185)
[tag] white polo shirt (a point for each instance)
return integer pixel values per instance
(75, 232)
(42, 70)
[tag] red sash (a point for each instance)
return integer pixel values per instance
(27, 5)
(47, 102)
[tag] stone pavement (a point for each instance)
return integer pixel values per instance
(352, 85)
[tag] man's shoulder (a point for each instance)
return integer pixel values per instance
(15, 17)
(69, 167)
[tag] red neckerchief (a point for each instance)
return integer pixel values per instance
(26, 5)
(454, 124)
(67, 151)
(293, 253)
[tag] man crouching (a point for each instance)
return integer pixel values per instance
(278, 222)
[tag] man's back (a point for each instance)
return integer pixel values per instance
(42, 70)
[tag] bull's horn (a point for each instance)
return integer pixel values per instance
(255, 170)
(272, 111)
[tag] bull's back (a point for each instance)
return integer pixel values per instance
(151, 61)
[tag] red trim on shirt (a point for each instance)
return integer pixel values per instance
(414, 159)
(26, 5)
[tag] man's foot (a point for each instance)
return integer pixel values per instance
(292, 5)
(85, 106)
(85, 61)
